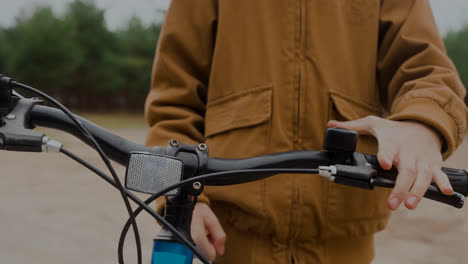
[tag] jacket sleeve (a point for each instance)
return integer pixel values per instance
(417, 79)
(175, 106)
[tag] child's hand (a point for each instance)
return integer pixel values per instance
(207, 232)
(413, 148)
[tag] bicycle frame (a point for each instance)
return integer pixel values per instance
(171, 252)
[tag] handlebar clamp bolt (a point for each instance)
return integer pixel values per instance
(197, 186)
(10, 117)
(202, 147)
(174, 143)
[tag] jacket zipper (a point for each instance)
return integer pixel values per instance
(299, 72)
(297, 202)
(299, 102)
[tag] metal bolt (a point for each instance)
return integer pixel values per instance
(10, 117)
(197, 186)
(174, 143)
(202, 147)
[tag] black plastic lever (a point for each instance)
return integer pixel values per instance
(456, 200)
(367, 177)
(458, 178)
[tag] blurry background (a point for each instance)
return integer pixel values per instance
(91, 55)
(96, 57)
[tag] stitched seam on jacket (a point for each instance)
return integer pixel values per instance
(239, 123)
(236, 95)
(367, 106)
(363, 219)
(457, 123)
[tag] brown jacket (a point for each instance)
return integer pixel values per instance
(256, 77)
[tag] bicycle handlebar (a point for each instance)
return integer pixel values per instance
(119, 150)
(339, 165)
(458, 178)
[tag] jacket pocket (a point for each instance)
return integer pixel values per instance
(239, 110)
(237, 126)
(362, 11)
(365, 210)
(346, 108)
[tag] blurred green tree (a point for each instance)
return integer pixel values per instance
(77, 59)
(138, 44)
(41, 51)
(456, 43)
(97, 79)
(3, 50)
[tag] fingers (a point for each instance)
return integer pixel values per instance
(442, 182)
(363, 126)
(422, 182)
(386, 155)
(207, 232)
(406, 176)
(200, 238)
(413, 181)
(367, 126)
(413, 148)
(215, 230)
(425, 176)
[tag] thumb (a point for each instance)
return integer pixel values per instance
(363, 126)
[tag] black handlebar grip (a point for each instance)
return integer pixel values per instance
(458, 179)
(456, 200)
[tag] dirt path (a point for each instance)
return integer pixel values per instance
(54, 211)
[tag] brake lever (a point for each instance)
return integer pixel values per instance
(433, 193)
(15, 133)
(368, 177)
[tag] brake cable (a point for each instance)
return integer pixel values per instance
(200, 179)
(142, 205)
(12, 83)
